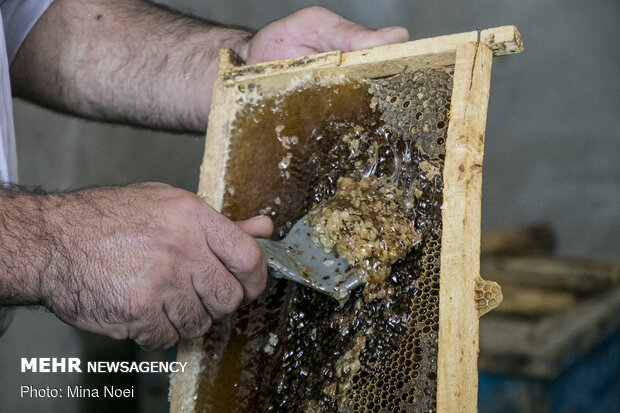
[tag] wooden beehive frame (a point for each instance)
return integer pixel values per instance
(471, 54)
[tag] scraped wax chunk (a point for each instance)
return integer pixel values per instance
(366, 223)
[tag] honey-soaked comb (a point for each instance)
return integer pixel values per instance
(295, 349)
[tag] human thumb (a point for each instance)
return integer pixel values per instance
(372, 38)
(259, 226)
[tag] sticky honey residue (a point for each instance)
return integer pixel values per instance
(346, 368)
(365, 222)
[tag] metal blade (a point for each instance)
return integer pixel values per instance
(299, 259)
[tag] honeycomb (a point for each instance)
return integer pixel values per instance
(415, 105)
(295, 349)
(488, 295)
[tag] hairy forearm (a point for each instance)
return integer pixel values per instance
(123, 61)
(28, 249)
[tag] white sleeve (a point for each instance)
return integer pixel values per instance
(18, 17)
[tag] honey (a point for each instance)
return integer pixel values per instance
(318, 155)
(294, 349)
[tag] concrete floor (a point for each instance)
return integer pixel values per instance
(551, 154)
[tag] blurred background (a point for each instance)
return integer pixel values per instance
(551, 160)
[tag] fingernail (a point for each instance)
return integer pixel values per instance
(389, 29)
(398, 33)
(257, 217)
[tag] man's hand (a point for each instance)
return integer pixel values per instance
(148, 262)
(315, 30)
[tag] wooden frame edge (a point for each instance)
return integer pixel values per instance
(457, 370)
(211, 182)
(183, 385)
(501, 40)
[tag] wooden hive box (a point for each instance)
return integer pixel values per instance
(280, 135)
